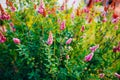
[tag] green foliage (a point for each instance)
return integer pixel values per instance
(34, 59)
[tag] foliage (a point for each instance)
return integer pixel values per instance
(34, 59)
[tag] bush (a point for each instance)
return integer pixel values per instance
(53, 44)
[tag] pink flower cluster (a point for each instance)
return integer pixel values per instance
(63, 6)
(86, 10)
(94, 48)
(3, 14)
(116, 48)
(69, 41)
(104, 19)
(41, 8)
(16, 40)
(90, 56)
(104, 14)
(50, 39)
(2, 38)
(115, 18)
(82, 28)
(13, 8)
(12, 27)
(117, 75)
(72, 16)
(74, 2)
(102, 75)
(62, 25)
(10, 3)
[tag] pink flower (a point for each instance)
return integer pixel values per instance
(41, 8)
(2, 38)
(102, 75)
(50, 38)
(87, 17)
(5, 16)
(63, 6)
(13, 8)
(117, 75)
(12, 26)
(103, 14)
(114, 49)
(16, 40)
(72, 16)
(69, 41)
(104, 19)
(62, 25)
(115, 20)
(118, 48)
(67, 57)
(82, 28)
(86, 10)
(89, 57)
(93, 49)
(74, 2)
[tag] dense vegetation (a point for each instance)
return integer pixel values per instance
(45, 41)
